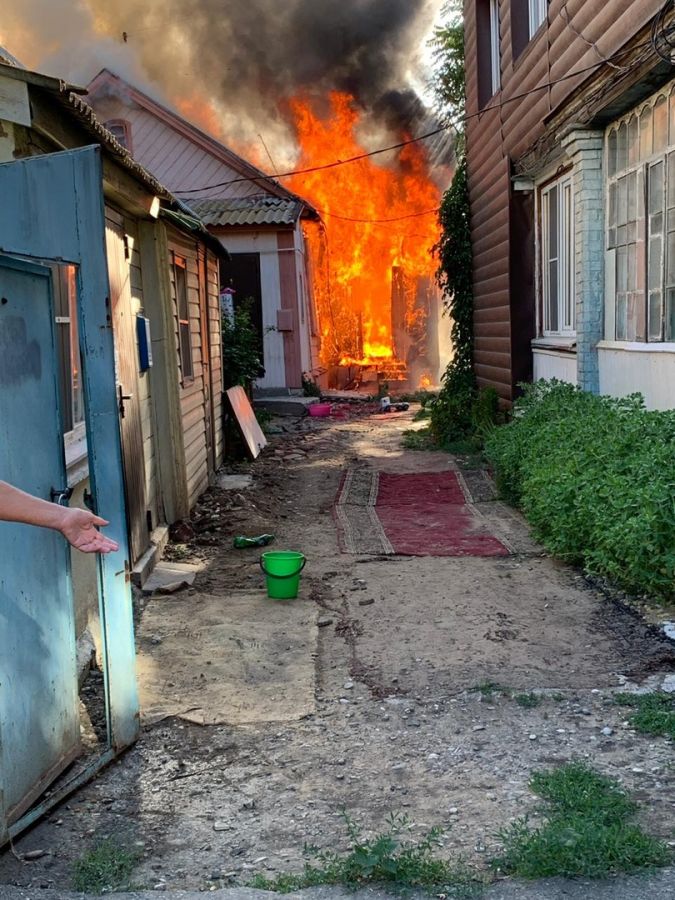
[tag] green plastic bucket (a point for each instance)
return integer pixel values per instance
(282, 570)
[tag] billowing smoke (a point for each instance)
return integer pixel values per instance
(246, 56)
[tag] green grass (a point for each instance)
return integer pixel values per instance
(587, 830)
(107, 867)
(386, 859)
(527, 701)
(418, 439)
(654, 712)
(487, 688)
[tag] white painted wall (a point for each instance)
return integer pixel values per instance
(549, 364)
(648, 369)
(304, 317)
(265, 243)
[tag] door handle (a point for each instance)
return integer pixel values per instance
(121, 398)
(61, 496)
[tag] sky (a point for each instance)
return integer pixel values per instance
(244, 58)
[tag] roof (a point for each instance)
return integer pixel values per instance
(12, 68)
(185, 220)
(258, 210)
(66, 95)
(107, 79)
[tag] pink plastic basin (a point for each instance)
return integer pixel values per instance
(319, 410)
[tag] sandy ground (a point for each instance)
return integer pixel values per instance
(384, 656)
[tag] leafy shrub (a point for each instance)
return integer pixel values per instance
(595, 476)
(461, 412)
(242, 350)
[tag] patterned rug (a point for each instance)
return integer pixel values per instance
(426, 514)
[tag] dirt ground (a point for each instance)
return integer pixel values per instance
(391, 719)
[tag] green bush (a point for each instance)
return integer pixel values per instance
(460, 412)
(595, 476)
(242, 350)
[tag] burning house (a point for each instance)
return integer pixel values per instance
(329, 231)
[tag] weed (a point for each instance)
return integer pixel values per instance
(263, 418)
(309, 387)
(422, 413)
(586, 830)
(107, 867)
(418, 439)
(655, 712)
(527, 701)
(487, 688)
(386, 858)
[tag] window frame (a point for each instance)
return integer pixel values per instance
(641, 250)
(488, 50)
(125, 125)
(565, 281)
(537, 14)
(183, 321)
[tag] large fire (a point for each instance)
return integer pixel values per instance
(379, 225)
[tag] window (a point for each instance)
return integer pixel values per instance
(495, 57)
(537, 10)
(640, 151)
(527, 16)
(70, 375)
(183, 312)
(121, 130)
(557, 257)
(489, 59)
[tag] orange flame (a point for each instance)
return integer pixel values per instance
(379, 217)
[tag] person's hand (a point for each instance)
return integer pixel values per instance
(78, 526)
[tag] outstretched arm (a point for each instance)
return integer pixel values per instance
(78, 526)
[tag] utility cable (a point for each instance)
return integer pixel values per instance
(426, 212)
(443, 128)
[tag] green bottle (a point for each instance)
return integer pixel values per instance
(262, 540)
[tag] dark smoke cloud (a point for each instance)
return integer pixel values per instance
(250, 56)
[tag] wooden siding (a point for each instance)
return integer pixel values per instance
(215, 336)
(174, 159)
(503, 286)
(192, 390)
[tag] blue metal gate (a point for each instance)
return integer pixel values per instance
(52, 209)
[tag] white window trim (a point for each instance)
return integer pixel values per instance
(565, 334)
(667, 93)
(538, 10)
(495, 49)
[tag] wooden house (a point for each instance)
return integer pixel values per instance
(257, 219)
(570, 134)
(163, 269)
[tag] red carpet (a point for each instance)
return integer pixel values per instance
(428, 515)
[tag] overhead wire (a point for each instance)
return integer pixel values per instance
(453, 124)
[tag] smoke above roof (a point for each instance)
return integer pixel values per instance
(247, 57)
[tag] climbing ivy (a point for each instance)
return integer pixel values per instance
(452, 414)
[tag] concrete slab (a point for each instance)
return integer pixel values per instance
(230, 659)
(169, 573)
(234, 482)
(285, 406)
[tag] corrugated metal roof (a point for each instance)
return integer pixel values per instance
(257, 210)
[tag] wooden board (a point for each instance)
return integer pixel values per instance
(243, 413)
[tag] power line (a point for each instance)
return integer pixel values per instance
(422, 137)
(426, 212)
(331, 165)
